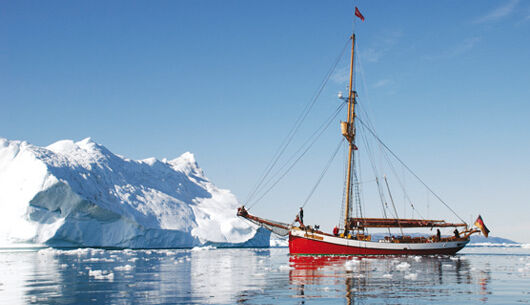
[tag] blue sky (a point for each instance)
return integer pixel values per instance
(447, 85)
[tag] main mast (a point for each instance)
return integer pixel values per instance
(348, 131)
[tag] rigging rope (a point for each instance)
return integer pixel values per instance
(323, 172)
(323, 128)
(307, 142)
(281, 149)
(363, 107)
(391, 168)
(410, 170)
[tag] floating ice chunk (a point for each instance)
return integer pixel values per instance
(133, 259)
(285, 267)
(387, 276)
(203, 248)
(47, 251)
(96, 259)
(96, 251)
(123, 268)
(78, 252)
(411, 276)
(52, 251)
(100, 275)
(417, 258)
(403, 266)
(92, 259)
(447, 266)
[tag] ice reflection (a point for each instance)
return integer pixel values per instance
(23, 272)
(218, 279)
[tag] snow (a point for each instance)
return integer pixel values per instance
(79, 194)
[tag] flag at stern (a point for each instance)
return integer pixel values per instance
(480, 224)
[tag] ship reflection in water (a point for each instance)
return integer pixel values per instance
(261, 276)
(381, 278)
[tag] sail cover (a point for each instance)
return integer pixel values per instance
(400, 223)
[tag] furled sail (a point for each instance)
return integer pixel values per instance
(400, 223)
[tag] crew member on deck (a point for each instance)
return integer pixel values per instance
(438, 235)
(301, 216)
(457, 234)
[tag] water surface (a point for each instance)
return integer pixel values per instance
(492, 275)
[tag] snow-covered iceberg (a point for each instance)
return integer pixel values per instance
(79, 194)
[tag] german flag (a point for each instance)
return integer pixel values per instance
(480, 224)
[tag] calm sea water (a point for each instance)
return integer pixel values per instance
(493, 275)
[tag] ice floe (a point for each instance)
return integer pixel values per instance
(403, 266)
(101, 275)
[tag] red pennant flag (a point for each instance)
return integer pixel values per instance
(358, 14)
(480, 224)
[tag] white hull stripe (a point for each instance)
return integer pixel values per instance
(376, 244)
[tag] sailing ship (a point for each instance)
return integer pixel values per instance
(352, 238)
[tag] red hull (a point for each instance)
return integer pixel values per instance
(300, 245)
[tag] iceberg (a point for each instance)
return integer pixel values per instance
(80, 194)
